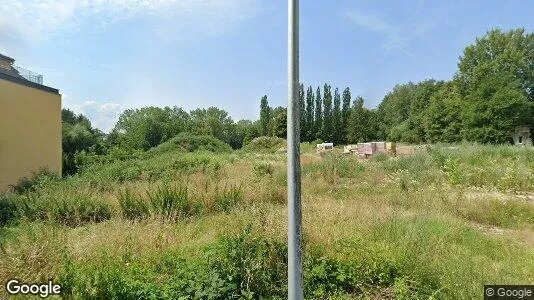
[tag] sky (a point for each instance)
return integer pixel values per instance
(106, 56)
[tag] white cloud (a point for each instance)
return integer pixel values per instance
(35, 19)
(102, 115)
(396, 37)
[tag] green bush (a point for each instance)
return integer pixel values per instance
(262, 169)
(265, 144)
(38, 179)
(194, 162)
(8, 210)
(188, 142)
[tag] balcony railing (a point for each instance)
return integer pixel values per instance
(29, 75)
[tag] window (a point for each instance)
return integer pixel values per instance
(520, 139)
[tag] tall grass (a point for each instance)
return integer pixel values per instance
(174, 225)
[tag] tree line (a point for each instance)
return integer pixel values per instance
(491, 93)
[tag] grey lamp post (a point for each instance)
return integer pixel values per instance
(294, 264)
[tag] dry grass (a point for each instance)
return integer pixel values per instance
(389, 212)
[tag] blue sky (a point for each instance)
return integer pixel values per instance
(109, 55)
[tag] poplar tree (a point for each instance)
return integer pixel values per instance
(302, 113)
(318, 113)
(336, 118)
(345, 113)
(328, 126)
(310, 133)
(265, 116)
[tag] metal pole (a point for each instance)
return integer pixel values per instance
(294, 264)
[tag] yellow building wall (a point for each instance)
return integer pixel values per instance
(30, 132)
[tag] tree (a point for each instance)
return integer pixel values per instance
(242, 130)
(280, 124)
(443, 122)
(337, 121)
(328, 124)
(212, 121)
(265, 116)
(402, 112)
(302, 113)
(345, 113)
(494, 109)
(310, 134)
(318, 113)
(356, 127)
(148, 127)
(251, 133)
(275, 113)
(78, 136)
(496, 81)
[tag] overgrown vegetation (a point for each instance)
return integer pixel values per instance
(192, 225)
(162, 208)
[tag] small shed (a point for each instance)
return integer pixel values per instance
(522, 136)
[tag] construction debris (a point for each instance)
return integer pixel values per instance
(366, 150)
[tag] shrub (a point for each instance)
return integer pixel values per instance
(194, 162)
(38, 179)
(265, 144)
(8, 210)
(253, 264)
(188, 142)
(262, 169)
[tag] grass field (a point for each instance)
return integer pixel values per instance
(172, 224)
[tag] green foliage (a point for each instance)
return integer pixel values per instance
(188, 142)
(212, 121)
(309, 134)
(303, 121)
(193, 163)
(491, 94)
(327, 131)
(345, 113)
(148, 127)
(262, 169)
(280, 125)
(318, 114)
(172, 202)
(8, 210)
(265, 144)
(495, 212)
(265, 116)
(228, 198)
(132, 206)
(337, 121)
(38, 179)
(69, 210)
(78, 136)
(335, 166)
(362, 125)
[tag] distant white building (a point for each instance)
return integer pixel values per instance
(522, 136)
